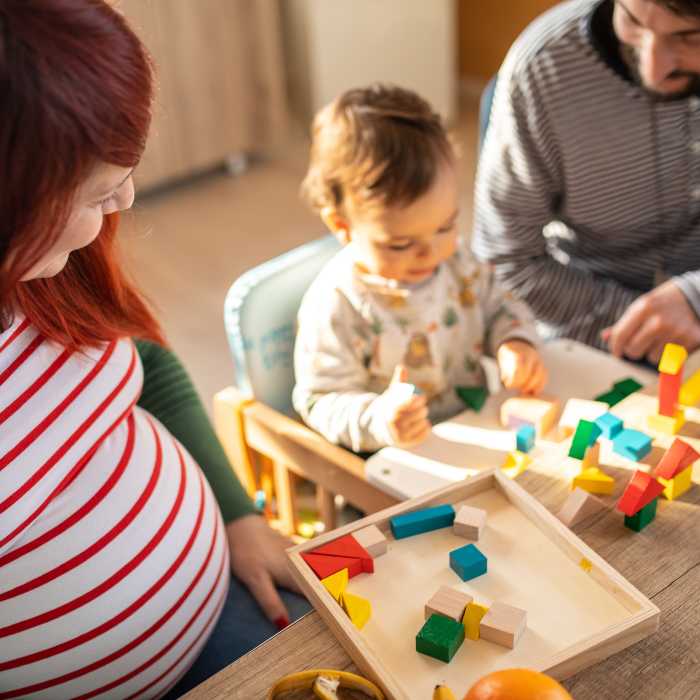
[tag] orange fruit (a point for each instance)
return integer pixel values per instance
(517, 684)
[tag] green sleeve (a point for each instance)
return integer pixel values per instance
(168, 394)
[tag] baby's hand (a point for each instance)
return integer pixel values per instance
(521, 367)
(407, 414)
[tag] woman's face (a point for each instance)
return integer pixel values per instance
(110, 188)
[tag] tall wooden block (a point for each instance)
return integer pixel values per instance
(503, 624)
(669, 390)
(424, 520)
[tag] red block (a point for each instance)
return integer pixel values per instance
(641, 491)
(347, 546)
(678, 458)
(324, 566)
(669, 388)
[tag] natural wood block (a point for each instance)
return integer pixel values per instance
(449, 602)
(372, 539)
(540, 412)
(469, 522)
(503, 624)
(578, 506)
(472, 620)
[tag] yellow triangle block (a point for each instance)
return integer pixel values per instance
(594, 480)
(516, 463)
(358, 609)
(472, 620)
(336, 584)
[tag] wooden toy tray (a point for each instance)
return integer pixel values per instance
(579, 609)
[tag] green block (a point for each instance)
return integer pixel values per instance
(440, 637)
(586, 434)
(611, 397)
(473, 396)
(642, 517)
(626, 386)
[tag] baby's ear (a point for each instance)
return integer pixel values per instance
(337, 224)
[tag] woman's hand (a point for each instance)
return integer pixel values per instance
(258, 559)
(521, 367)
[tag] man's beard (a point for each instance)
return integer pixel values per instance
(631, 60)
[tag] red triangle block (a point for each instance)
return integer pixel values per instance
(641, 491)
(347, 546)
(678, 458)
(324, 566)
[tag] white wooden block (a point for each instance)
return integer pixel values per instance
(469, 522)
(577, 410)
(539, 411)
(578, 506)
(503, 624)
(449, 602)
(372, 539)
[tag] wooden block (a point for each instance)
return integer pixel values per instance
(576, 410)
(503, 624)
(336, 584)
(689, 394)
(473, 396)
(515, 463)
(592, 457)
(525, 438)
(673, 359)
(594, 481)
(540, 412)
(610, 425)
(578, 506)
(632, 444)
(347, 547)
(678, 485)
(639, 492)
(424, 520)
(468, 562)
(372, 539)
(440, 638)
(449, 602)
(585, 436)
(469, 522)
(324, 566)
(642, 518)
(669, 391)
(668, 425)
(611, 397)
(359, 610)
(676, 459)
(472, 620)
(626, 386)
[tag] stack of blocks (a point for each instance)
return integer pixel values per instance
(675, 469)
(639, 500)
(585, 447)
(670, 418)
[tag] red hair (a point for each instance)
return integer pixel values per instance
(75, 91)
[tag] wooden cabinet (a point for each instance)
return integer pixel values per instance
(220, 87)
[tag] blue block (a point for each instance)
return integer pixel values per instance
(610, 425)
(424, 520)
(525, 438)
(632, 444)
(468, 562)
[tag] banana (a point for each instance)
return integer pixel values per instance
(442, 692)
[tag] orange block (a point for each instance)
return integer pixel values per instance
(669, 388)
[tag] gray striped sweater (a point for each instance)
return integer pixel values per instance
(588, 191)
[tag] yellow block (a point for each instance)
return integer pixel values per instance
(336, 583)
(592, 457)
(586, 564)
(690, 391)
(358, 609)
(472, 619)
(678, 485)
(594, 480)
(516, 463)
(673, 358)
(666, 424)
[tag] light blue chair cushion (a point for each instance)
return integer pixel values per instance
(260, 319)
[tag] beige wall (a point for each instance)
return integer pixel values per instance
(487, 28)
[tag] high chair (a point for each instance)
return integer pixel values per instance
(264, 439)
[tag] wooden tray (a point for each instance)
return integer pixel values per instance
(579, 609)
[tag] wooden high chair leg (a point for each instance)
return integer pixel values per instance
(325, 502)
(286, 498)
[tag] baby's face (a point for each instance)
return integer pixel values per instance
(408, 243)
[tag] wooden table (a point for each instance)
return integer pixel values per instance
(663, 561)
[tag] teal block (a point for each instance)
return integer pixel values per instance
(586, 434)
(424, 520)
(610, 425)
(473, 396)
(440, 637)
(468, 562)
(632, 444)
(525, 438)
(610, 397)
(642, 517)
(627, 386)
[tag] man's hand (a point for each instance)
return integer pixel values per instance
(521, 367)
(661, 316)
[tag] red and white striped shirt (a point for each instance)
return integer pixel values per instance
(113, 556)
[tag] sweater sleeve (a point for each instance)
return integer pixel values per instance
(168, 395)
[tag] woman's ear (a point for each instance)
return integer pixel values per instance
(337, 224)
